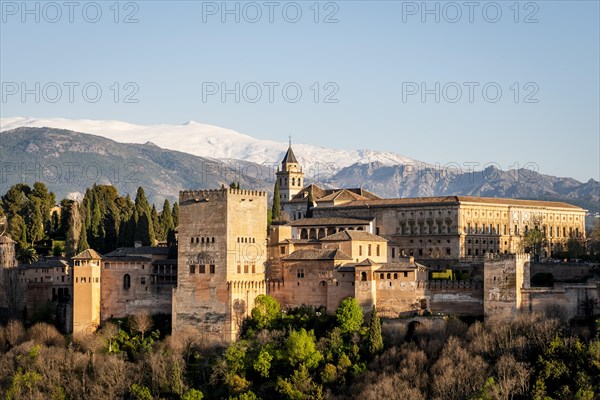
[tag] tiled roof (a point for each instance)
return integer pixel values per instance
(353, 235)
(46, 264)
(343, 194)
(328, 221)
(400, 266)
(89, 254)
(334, 254)
(367, 262)
(319, 193)
(129, 251)
(126, 259)
(455, 200)
(290, 157)
(345, 268)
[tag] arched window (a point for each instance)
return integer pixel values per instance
(293, 181)
(303, 234)
(126, 281)
(213, 239)
(363, 276)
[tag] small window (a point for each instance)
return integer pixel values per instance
(282, 250)
(126, 281)
(143, 280)
(300, 273)
(381, 276)
(395, 275)
(253, 268)
(363, 276)
(192, 269)
(239, 269)
(369, 250)
(245, 268)
(201, 269)
(377, 250)
(212, 268)
(405, 274)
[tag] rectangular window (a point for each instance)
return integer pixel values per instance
(202, 269)
(245, 268)
(239, 269)
(300, 273)
(405, 274)
(377, 250)
(212, 268)
(369, 250)
(360, 250)
(282, 249)
(448, 251)
(420, 252)
(192, 269)
(393, 252)
(253, 268)
(143, 280)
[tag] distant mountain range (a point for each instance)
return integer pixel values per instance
(194, 156)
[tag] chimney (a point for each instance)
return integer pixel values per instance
(137, 244)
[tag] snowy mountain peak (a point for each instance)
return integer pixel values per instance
(213, 142)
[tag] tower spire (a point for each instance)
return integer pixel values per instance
(290, 137)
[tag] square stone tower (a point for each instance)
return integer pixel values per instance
(86, 292)
(221, 260)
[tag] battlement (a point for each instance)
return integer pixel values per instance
(524, 257)
(451, 285)
(207, 194)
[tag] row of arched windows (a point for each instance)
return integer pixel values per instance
(318, 233)
(202, 240)
(246, 240)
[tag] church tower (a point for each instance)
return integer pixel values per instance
(290, 176)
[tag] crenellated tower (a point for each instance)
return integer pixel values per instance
(221, 260)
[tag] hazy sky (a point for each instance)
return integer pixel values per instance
(502, 82)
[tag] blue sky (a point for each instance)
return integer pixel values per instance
(373, 59)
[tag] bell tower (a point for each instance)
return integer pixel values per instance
(290, 176)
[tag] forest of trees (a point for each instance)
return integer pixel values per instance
(103, 220)
(305, 353)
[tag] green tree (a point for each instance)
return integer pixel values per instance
(310, 204)
(175, 214)
(301, 348)
(158, 232)
(140, 392)
(299, 386)
(349, 315)
(276, 202)
(175, 384)
(166, 219)
(374, 339)
(262, 365)
(533, 242)
(192, 394)
(265, 312)
(97, 229)
(82, 245)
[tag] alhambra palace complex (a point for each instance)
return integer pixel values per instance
(383, 252)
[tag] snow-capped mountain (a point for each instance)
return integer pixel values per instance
(214, 142)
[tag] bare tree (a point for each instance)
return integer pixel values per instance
(109, 332)
(141, 323)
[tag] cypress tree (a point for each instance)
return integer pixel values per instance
(276, 202)
(310, 204)
(158, 232)
(374, 339)
(83, 244)
(166, 218)
(175, 215)
(96, 228)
